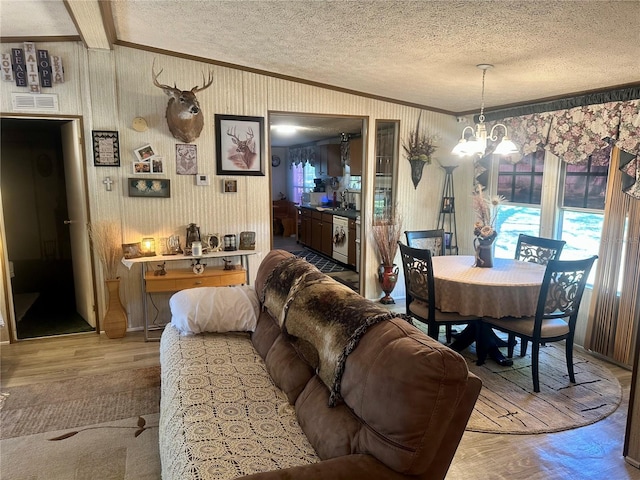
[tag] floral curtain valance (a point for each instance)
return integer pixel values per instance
(299, 155)
(578, 133)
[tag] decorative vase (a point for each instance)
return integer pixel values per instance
(115, 319)
(388, 276)
(484, 251)
(416, 171)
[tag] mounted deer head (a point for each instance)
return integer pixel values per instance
(184, 115)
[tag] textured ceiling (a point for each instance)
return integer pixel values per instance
(416, 52)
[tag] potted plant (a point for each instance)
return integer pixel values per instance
(105, 239)
(419, 147)
(386, 231)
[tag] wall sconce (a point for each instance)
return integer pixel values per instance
(148, 247)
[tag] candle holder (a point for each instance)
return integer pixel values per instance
(230, 243)
(148, 247)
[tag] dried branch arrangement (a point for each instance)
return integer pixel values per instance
(386, 231)
(105, 237)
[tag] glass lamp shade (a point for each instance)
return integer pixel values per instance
(148, 247)
(465, 148)
(506, 147)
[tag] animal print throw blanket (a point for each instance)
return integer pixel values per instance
(326, 314)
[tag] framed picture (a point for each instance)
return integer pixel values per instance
(447, 205)
(141, 168)
(153, 165)
(239, 145)
(230, 186)
(131, 250)
(106, 149)
(144, 153)
(186, 159)
(157, 165)
(142, 187)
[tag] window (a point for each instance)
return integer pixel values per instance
(522, 182)
(512, 221)
(550, 198)
(302, 180)
(521, 186)
(585, 184)
(582, 206)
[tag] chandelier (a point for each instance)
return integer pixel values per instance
(476, 144)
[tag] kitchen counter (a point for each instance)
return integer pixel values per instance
(333, 211)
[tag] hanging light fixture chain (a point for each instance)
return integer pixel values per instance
(481, 117)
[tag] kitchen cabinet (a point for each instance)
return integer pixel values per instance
(330, 163)
(305, 227)
(316, 231)
(352, 242)
(355, 156)
(327, 234)
(320, 232)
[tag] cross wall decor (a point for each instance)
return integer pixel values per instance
(31, 68)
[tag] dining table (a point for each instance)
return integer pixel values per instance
(508, 289)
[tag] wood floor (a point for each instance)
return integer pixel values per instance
(591, 452)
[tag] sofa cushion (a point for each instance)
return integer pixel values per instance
(405, 387)
(331, 431)
(215, 309)
(287, 368)
(265, 333)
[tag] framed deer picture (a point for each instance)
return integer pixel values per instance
(239, 145)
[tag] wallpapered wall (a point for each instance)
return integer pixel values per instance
(109, 88)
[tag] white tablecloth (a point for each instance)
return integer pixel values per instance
(510, 288)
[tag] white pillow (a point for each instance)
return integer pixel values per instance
(215, 309)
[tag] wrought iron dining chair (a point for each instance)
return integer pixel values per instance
(420, 292)
(555, 318)
(538, 249)
(432, 240)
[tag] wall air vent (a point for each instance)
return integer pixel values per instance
(29, 102)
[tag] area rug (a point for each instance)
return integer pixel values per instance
(508, 404)
(104, 426)
(105, 451)
(47, 406)
(324, 264)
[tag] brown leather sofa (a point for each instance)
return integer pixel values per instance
(404, 400)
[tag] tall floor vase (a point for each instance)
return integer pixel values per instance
(115, 319)
(387, 276)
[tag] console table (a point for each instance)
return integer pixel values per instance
(182, 278)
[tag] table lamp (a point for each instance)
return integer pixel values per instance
(148, 247)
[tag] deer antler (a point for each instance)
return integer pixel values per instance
(206, 84)
(249, 133)
(155, 78)
(232, 133)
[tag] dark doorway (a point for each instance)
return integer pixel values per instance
(34, 200)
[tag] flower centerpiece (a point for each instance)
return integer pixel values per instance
(419, 147)
(486, 210)
(386, 231)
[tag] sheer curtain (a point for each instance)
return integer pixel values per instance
(615, 304)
